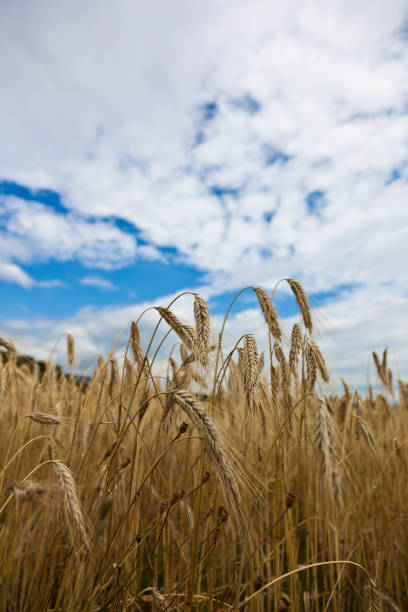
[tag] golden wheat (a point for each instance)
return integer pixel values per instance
(319, 515)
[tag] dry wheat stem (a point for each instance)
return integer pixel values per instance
(304, 568)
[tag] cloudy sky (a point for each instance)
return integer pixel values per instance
(147, 148)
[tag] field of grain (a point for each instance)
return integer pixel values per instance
(228, 481)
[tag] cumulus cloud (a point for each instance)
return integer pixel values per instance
(215, 140)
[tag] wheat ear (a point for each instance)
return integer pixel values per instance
(70, 349)
(269, 312)
(44, 419)
(8, 345)
(372, 597)
(27, 490)
(327, 447)
(320, 362)
(295, 348)
(311, 366)
(303, 303)
(202, 321)
(70, 501)
(362, 427)
(137, 352)
(186, 333)
(215, 447)
(160, 603)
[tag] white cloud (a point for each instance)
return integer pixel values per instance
(100, 283)
(42, 233)
(113, 132)
(11, 273)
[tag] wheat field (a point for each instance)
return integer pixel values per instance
(226, 481)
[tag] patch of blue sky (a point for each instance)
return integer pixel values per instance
(273, 156)
(395, 175)
(321, 298)
(44, 299)
(44, 196)
(269, 215)
(208, 111)
(315, 202)
(142, 281)
(246, 103)
(367, 116)
(220, 191)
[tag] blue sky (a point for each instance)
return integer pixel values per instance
(70, 284)
(165, 148)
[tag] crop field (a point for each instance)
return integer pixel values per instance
(223, 480)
